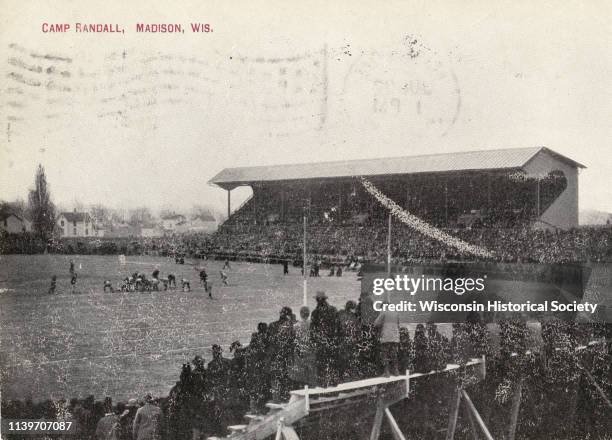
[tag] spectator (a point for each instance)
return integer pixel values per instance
(303, 367)
(388, 323)
(126, 420)
(257, 369)
(421, 347)
(218, 370)
(325, 331)
(349, 336)
(148, 421)
(238, 393)
(106, 429)
(282, 346)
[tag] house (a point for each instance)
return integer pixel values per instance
(121, 230)
(170, 222)
(151, 230)
(200, 223)
(203, 223)
(76, 224)
(99, 230)
(14, 224)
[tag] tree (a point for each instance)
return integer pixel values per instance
(17, 207)
(140, 215)
(40, 205)
(101, 214)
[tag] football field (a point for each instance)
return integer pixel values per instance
(124, 344)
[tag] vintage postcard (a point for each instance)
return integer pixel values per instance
(305, 220)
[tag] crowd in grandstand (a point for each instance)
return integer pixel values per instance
(343, 244)
(369, 243)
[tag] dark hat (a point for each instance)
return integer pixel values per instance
(350, 305)
(320, 295)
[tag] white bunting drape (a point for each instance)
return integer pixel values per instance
(421, 226)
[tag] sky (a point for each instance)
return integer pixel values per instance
(131, 119)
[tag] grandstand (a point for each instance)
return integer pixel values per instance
(508, 188)
(521, 203)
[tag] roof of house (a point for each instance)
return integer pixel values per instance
(509, 158)
(75, 216)
(5, 215)
(204, 218)
(149, 226)
(173, 217)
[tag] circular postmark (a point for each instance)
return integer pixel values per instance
(409, 89)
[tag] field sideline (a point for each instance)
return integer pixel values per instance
(125, 344)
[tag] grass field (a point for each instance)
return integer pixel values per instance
(125, 344)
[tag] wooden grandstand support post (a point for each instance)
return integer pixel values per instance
(279, 429)
(514, 412)
(476, 415)
(470, 418)
(453, 415)
(600, 390)
(482, 371)
(395, 431)
(378, 418)
(229, 202)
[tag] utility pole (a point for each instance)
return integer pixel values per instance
(305, 300)
(537, 197)
(389, 246)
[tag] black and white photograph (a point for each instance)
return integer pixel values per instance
(305, 220)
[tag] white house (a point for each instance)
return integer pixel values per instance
(151, 231)
(170, 222)
(99, 230)
(76, 224)
(203, 223)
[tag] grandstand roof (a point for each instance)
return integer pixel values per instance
(511, 158)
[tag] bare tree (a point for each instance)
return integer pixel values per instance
(140, 215)
(101, 214)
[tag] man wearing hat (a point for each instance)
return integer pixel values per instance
(148, 421)
(350, 328)
(325, 332)
(199, 405)
(126, 420)
(282, 342)
(104, 428)
(218, 370)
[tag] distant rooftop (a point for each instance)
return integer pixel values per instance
(510, 158)
(204, 218)
(73, 216)
(173, 217)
